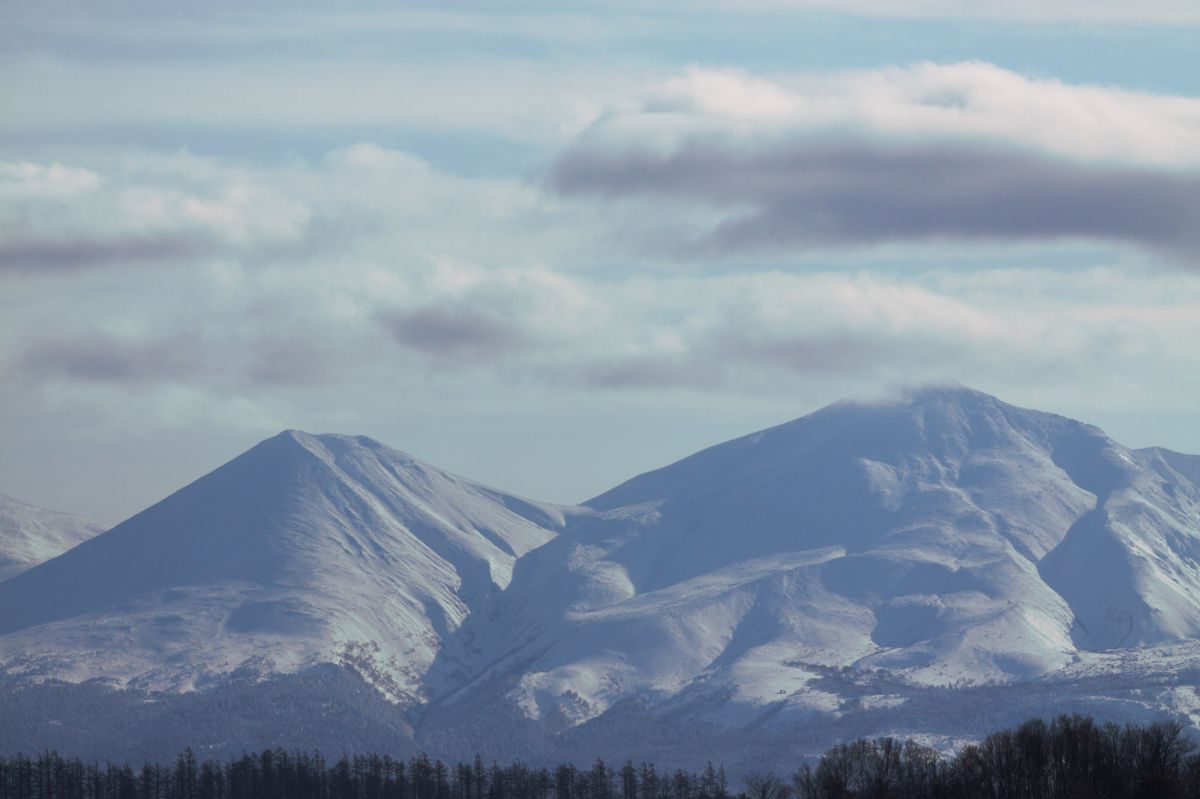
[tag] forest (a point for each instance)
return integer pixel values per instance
(1071, 757)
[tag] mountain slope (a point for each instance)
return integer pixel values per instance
(947, 537)
(305, 549)
(30, 535)
(1174, 466)
(934, 566)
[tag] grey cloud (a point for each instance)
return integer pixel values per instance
(711, 360)
(458, 333)
(33, 254)
(648, 372)
(287, 360)
(831, 354)
(104, 359)
(820, 194)
(184, 358)
(738, 353)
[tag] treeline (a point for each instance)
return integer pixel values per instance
(277, 774)
(1070, 758)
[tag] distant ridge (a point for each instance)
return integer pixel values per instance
(30, 535)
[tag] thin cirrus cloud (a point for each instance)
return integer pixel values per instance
(1087, 11)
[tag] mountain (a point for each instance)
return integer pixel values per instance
(30, 535)
(1185, 466)
(947, 538)
(936, 565)
(304, 550)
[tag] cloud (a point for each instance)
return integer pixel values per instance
(973, 102)
(820, 194)
(722, 358)
(273, 356)
(452, 333)
(35, 255)
(963, 152)
(287, 274)
(109, 359)
(143, 209)
(23, 178)
(418, 282)
(769, 333)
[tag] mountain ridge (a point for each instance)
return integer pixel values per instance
(317, 547)
(30, 535)
(940, 538)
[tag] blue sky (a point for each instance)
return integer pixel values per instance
(551, 246)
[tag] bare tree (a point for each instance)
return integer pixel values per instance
(765, 786)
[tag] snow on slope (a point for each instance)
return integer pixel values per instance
(948, 537)
(30, 535)
(848, 561)
(1174, 466)
(305, 549)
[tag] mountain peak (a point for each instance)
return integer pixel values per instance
(932, 395)
(945, 392)
(325, 442)
(945, 421)
(924, 392)
(325, 542)
(941, 534)
(324, 459)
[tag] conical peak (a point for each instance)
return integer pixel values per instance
(320, 441)
(330, 446)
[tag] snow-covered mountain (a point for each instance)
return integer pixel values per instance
(303, 550)
(947, 538)
(30, 535)
(846, 566)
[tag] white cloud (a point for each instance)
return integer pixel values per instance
(725, 163)
(22, 179)
(964, 101)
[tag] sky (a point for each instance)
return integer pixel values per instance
(549, 246)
